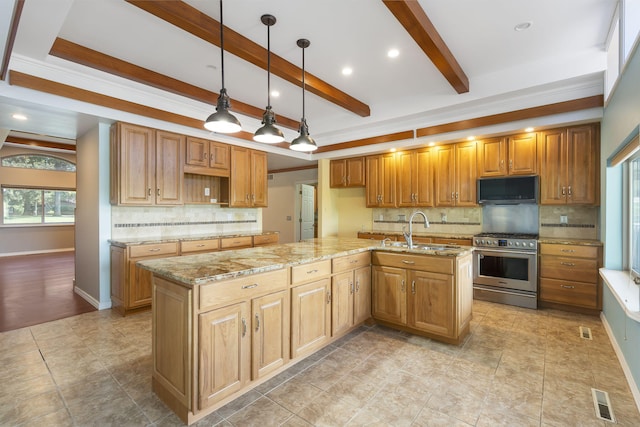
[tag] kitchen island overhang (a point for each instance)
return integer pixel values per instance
(224, 322)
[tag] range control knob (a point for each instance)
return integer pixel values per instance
(517, 243)
(531, 244)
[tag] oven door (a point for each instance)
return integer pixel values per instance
(505, 269)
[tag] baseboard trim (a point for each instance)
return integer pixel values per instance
(91, 300)
(635, 391)
(46, 251)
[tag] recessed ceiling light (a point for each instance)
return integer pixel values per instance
(19, 116)
(393, 53)
(347, 71)
(275, 93)
(528, 129)
(431, 144)
(393, 150)
(523, 26)
(471, 138)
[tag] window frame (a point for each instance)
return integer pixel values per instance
(43, 216)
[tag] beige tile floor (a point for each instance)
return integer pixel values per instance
(517, 368)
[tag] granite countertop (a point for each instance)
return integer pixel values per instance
(155, 240)
(199, 269)
(560, 241)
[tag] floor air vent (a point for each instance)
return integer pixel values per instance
(585, 333)
(602, 405)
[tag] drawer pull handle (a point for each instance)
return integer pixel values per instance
(154, 250)
(201, 245)
(568, 250)
(408, 262)
(355, 261)
(312, 271)
(255, 285)
(569, 264)
(567, 286)
(329, 297)
(413, 287)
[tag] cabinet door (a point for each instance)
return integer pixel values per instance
(372, 172)
(387, 179)
(337, 173)
(551, 153)
(582, 166)
(389, 300)
(523, 154)
(355, 172)
(140, 285)
(407, 177)
(424, 177)
(445, 175)
(259, 179)
(224, 353)
(466, 174)
(219, 157)
(431, 302)
(492, 157)
(270, 347)
(310, 317)
(240, 176)
(136, 165)
(342, 289)
(169, 168)
(362, 296)
(197, 152)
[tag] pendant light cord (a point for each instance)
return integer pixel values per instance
(303, 85)
(268, 66)
(221, 43)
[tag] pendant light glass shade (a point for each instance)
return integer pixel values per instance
(222, 120)
(304, 142)
(268, 133)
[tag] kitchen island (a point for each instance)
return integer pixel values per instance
(225, 322)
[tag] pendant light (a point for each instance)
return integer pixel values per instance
(222, 120)
(268, 133)
(304, 142)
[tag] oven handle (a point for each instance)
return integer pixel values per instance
(497, 251)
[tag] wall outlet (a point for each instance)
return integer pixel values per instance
(207, 191)
(563, 219)
(443, 217)
(288, 217)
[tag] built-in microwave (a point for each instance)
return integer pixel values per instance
(508, 190)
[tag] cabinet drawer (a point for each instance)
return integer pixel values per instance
(139, 251)
(434, 264)
(569, 250)
(313, 270)
(579, 269)
(265, 239)
(351, 262)
(569, 292)
(236, 242)
(199, 245)
(243, 288)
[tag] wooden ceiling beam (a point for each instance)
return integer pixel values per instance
(40, 144)
(91, 58)
(414, 19)
(203, 26)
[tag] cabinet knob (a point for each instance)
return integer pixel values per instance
(353, 289)
(329, 297)
(402, 285)
(204, 156)
(158, 192)
(257, 322)
(244, 327)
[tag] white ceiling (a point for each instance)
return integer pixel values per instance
(560, 57)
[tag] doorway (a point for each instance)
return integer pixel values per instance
(306, 212)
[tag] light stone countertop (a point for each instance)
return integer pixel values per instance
(123, 243)
(559, 241)
(193, 270)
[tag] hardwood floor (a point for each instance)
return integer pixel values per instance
(38, 288)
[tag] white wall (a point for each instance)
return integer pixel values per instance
(93, 217)
(282, 202)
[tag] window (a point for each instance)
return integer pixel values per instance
(634, 215)
(630, 25)
(38, 161)
(38, 206)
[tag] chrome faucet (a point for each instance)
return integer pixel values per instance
(386, 239)
(409, 236)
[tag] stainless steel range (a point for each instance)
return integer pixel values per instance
(505, 268)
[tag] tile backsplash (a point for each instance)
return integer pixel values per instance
(177, 221)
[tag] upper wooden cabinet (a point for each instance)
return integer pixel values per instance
(513, 155)
(248, 181)
(347, 173)
(455, 174)
(415, 178)
(206, 157)
(146, 166)
(569, 166)
(381, 181)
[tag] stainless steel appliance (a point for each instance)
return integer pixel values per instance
(505, 268)
(512, 190)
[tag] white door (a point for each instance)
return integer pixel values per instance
(307, 208)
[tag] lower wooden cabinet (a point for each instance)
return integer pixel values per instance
(270, 333)
(569, 277)
(423, 294)
(310, 317)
